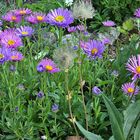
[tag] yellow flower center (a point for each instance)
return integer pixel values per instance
(39, 18)
(138, 69)
(49, 68)
(94, 51)
(1, 56)
(11, 42)
(14, 18)
(130, 90)
(59, 18)
(14, 57)
(24, 33)
(22, 12)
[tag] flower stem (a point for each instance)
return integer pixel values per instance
(69, 100)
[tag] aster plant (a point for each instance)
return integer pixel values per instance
(60, 17)
(47, 65)
(9, 39)
(11, 17)
(22, 12)
(133, 65)
(24, 31)
(94, 49)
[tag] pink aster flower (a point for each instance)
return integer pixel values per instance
(16, 56)
(60, 17)
(24, 31)
(129, 88)
(9, 39)
(36, 17)
(22, 12)
(133, 65)
(11, 17)
(109, 23)
(47, 65)
(137, 13)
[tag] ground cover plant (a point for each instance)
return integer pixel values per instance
(62, 77)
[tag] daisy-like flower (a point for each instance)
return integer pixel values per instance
(9, 39)
(24, 31)
(129, 88)
(94, 49)
(71, 29)
(83, 44)
(11, 17)
(22, 12)
(133, 65)
(16, 56)
(137, 13)
(36, 17)
(47, 65)
(83, 10)
(60, 17)
(109, 23)
(4, 55)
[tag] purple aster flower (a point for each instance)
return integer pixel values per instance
(133, 65)
(94, 49)
(9, 39)
(55, 107)
(36, 17)
(60, 17)
(47, 65)
(80, 28)
(22, 12)
(96, 90)
(40, 94)
(109, 23)
(4, 55)
(11, 17)
(16, 56)
(137, 13)
(129, 88)
(24, 31)
(71, 29)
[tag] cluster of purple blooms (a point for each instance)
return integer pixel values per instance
(10, 40)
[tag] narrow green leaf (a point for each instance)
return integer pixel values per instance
(87, 134)
(115, 118)
(131, 115)
(137, 132)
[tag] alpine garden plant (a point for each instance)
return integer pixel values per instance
(58, 80)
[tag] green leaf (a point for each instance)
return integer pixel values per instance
(131, 115)
(87, 134)
(137, 132)
(128, 25)
(115, 118)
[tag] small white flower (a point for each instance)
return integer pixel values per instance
(82, 9)
(43, 137)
